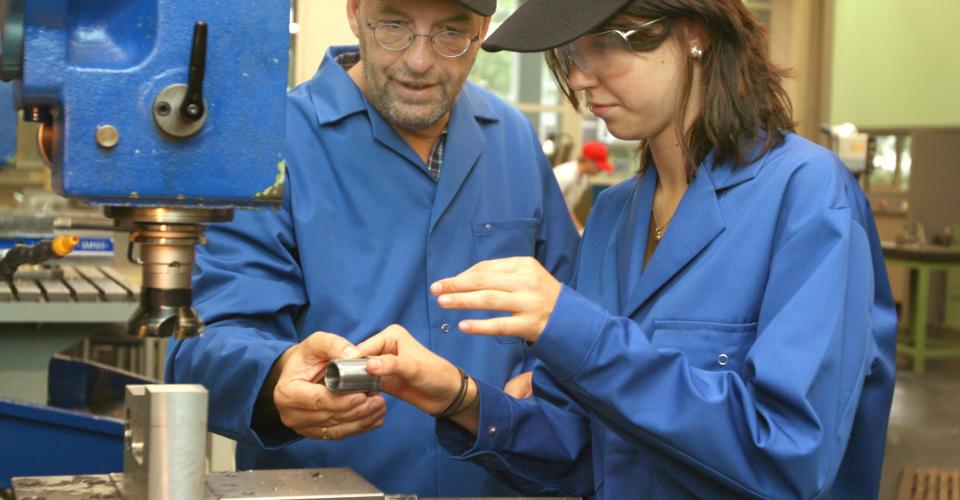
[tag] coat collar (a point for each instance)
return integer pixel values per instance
(727, 175)
(332, 91)
(696, 223)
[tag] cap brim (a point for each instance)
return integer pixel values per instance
(605, 166)
(539, 25)
(482, 7)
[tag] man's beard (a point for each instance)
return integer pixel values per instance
(407, 116)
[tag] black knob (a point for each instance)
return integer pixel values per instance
(192, 107)
(11, 39)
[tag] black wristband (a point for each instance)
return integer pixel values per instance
(454, 405)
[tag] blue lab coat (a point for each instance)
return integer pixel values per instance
(752, 357)
(362, 233)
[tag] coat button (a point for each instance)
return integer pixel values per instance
(723, 360)
(488, 226)
(492, 430)
(445, 328)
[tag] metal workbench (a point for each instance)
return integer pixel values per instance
(45, 312)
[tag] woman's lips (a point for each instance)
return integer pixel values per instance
(601, 109)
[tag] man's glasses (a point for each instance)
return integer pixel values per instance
(396, 37)
(608, 53)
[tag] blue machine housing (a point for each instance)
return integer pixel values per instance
(8, 125)
(100, 62)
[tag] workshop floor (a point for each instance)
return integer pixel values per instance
(924, 426)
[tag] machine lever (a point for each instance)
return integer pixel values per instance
(192, 107)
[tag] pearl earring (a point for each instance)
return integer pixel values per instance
(696, 52)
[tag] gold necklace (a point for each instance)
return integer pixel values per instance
(658, 229)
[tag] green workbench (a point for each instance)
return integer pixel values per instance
(913, 342)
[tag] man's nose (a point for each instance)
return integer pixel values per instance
(419, 55)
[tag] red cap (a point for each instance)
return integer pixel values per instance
(597, 151)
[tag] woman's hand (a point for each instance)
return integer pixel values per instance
(520, 387)
(518, 285)
(411, 372)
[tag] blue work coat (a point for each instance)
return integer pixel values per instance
(752, 357)
(362, 233)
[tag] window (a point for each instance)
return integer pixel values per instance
(888, 161)
(524, 81)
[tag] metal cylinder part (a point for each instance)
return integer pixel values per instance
(166, 238)
(167, 254)
(350, 375)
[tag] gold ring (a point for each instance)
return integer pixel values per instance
(323, 433)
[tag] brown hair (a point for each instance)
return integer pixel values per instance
(743, 100)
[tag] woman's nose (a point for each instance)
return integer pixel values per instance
(580, 80)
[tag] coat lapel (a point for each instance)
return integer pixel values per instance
(388, 137)
(465, 143)
(695, 224)
(633, 235)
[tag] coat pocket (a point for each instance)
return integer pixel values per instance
(706, 345)
(505, 238)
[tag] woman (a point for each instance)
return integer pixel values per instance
(730, 331)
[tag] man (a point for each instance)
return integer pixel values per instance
(574, 176)
(398, 173)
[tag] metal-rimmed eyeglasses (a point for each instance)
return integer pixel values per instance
(607, 53)
(397, 37)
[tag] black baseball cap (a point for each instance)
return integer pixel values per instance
(482, 7)
(539, 25)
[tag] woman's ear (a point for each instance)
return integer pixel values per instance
(696, 40)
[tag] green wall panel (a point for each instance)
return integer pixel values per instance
(896, 63)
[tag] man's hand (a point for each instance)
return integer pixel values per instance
(518, 285)
(521, 386)
(304, 402)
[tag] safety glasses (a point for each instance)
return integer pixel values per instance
(608, 53)
(397, 37)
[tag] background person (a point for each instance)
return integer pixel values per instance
(574, 176)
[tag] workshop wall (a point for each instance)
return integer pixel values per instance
(322, 23)
(895, 63)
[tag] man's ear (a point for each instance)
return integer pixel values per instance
(484, 28)
(353, 16)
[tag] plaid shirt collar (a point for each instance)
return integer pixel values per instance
(436, 156)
